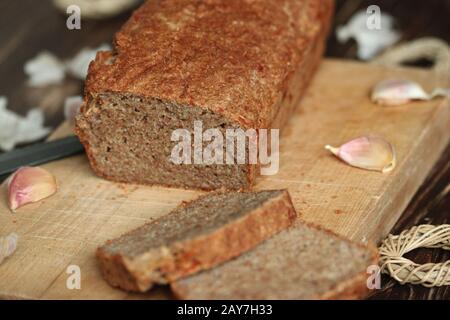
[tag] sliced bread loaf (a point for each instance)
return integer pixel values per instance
(196, 236)
(303, 262)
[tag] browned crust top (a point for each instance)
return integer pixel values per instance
(232, 57)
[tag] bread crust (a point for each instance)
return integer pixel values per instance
(174, 261)
(242, 72)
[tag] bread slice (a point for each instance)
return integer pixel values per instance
(196, 236)
(230, 64)
(303, 262)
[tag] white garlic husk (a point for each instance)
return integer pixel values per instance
(401, 91)
(8, 246)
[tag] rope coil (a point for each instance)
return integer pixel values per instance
(433, 49)
(406, 271)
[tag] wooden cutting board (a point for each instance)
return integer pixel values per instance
(65, 229)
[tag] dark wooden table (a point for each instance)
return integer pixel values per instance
(27, 27)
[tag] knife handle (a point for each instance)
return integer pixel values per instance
(38, 153)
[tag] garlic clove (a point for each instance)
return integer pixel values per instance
(8, 245)
(367, 152)
(29, 184)
(396, 92)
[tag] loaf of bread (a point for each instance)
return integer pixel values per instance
(302, 262)
(235, 64)
(196, 236)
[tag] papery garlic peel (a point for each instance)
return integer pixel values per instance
(367, 152)
(29, 184)
(396, 92)
(8, 245)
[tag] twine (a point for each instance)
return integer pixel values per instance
(432, 49)
(427, 236)
(406, 271)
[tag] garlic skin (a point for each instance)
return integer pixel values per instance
(8, 245)
(399, 91)
(367, 152)
(16, 129)
(78, 66)
(72, 107)
(29, 184)
(44, 69)
(440, 92)
(370, 41)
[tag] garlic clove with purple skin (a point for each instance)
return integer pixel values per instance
(367, 152)
(396, 92)
(29, 184)
(8, 245)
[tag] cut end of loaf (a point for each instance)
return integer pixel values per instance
(114, 270)
(196, 236)
(129, 139)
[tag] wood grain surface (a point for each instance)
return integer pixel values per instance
(28, 27)
(362, 205)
